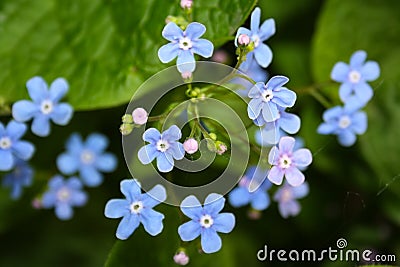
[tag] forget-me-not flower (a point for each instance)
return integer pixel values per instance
(11, 146)
(243, 195)
(344, 122)
(287, 196)
(45, 105)
(184, 44)
(88, 158)
(258, 34)
(206, 221)
(268, 98)
(21, 176)
(63, 195)
(354, 77)
(136, 208)
(286, 162)
(164, 147)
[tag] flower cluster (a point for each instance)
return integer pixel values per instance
(348, 121)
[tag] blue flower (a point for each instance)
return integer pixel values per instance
(268, 98)
(63, 195)
(345, 123)
(262, 53)
(242, 195)
(11, 146)
(88, 158)
(255, 72)
(287, 197)
(165, 147)
(45, 106)
(206, 221)
(136, 208)
(286, 162)
(354, 78)
(20, 177)
(184, 44)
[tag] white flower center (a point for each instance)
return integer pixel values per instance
(206, 221)
(267, 95)
(286, 195)
(256, 40)
(87, 157)
(136, 207)
(63, 194)
(162, 145)
(46, 107)
(285, 161)
(344, 122)
(354, 76)
(185, 43)
(5, 143)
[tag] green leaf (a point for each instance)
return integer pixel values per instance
(374, 26)
(105, 49)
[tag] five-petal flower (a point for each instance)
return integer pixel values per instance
(287, 196)
(136, 208)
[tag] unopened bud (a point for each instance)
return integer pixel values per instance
(186, 3)
(191, 146)
(181, 258)
(140, 116)
(221, 148)
(243, 39)
(126, 128)
(127, 118)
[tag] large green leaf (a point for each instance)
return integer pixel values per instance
(374, 26)
(105, 48)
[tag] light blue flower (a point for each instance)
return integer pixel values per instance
(287, 196)
(286, 162)
(165, 147)
(20, 177)
(63, 195)
(268, 98)
(354, 77)
(261, 53)
(206, 221)
(243, 195)
(11, 146)
(345, 123)
(45, 106)
(88, 158)
(136, 208)
(184, 44)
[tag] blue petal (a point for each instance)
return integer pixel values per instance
(172, 32)
(270, 112)
(301, 191)
(286, 144)
(214, 203)
(90, 176)
(255, 91)
(267, 29)
(273, 156)
(148, 153)
(168, 52)
(340, 72)
(276, 82)
(345, 91)
(290, 123)
(194, 30)
(248, 62)
(2, 129)
(191, 207)
(23, 150)
(290, 208)
(6, 160)
(56, 182)
(24, 110)
(15, 130)
(67, 164)
(74, 144)
(127, 226)
(152, 221)
(37, 89)
(239, 197)
(263, 55)
(116, 208)
(186, 61)
(255, 20)
(62, 114)
(189, 230)
(173, 133)
(357, 59)
(58, 89)
(106, 162)
(332, 113)
(269, 135)
(260, 200)
(203, 48)
(224, 222)
(294, 176)
(154, 197)
(284, 97)
(241, 31)
(326, 128)
(41, 125)
(74, 183)
(64, 211)
(370, 71)
(346, 138)
(151, 135)
(49, 199)
(210, 241)
(363, 92)
(275, 175)
(131, 189)
(359, 122)
(259, 121)
(302, 157)
(254, 108)
(97, 142)
(78, 198)
(165, 162)
(177, 151)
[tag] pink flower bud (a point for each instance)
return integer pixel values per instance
(181, 258)
(254, 214)
(220, 56)
(37, 203)
(186, 3)
(140, 116)
(191, 146)
(243, 39)
(221, 149)
(186, 75)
